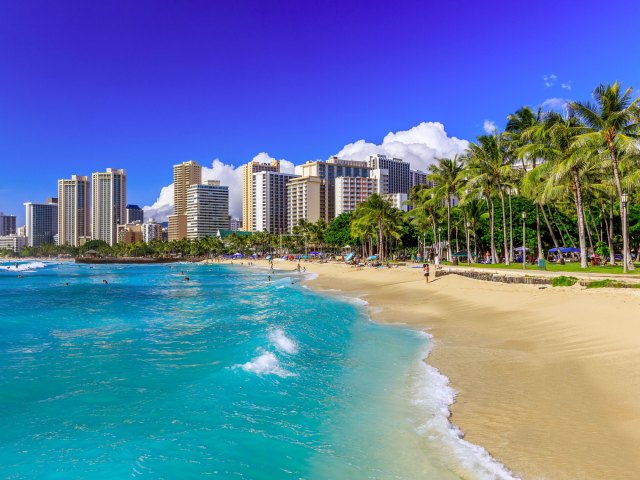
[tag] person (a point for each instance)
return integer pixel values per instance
(186, 279)
(268, 278)
(425, 272)
(104, 282)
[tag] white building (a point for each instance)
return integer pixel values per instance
(351, 191)
(398, 169)
(74, 213)
(151, 230)
(235, 224)
(269, 202)
(41, 222)
(14, 242)
(109, 200)
(207, 209)
(416, 177)
(397, 200)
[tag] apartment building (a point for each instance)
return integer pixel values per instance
(185, 175)
(399, 172)
(108, 202)
(305, 200)
(207, 209)
(41, 222)
(7, 224)
(248, 171)
(74, 211)
(269, 203)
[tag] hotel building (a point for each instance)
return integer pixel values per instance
(416, 177)
(108, 200)
(185, 175)
(13, 242)
(7, 224)
(134, 214)
(398, 169)
(305, 200)
(248, 171)
(151, 230)
(397, 200)
(41, 222)
(130, 233)
(270, 202)
(351, 191)
(74, 212)
(207, 209)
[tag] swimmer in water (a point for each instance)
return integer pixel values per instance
(104, 282)
(269, 278)
(186, 278)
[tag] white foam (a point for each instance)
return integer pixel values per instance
(266, 364)
(436, 396)
(282, 342)
(23, 267)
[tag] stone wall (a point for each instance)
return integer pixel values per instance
(495, 277)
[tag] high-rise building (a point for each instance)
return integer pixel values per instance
(351, 191)
(397, 200)
(235, 224)
(7, 224)
(184, 175)
(270, 202)
(399, 175)
(416, 177)
(41, 222)
(13, 242)
(108, 201)
(74, 213)
(207, 209)
(330, 170)
(130, 233)
(247, 188)
(305, 200)
(134, 214)
(151, 230)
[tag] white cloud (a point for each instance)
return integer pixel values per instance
(554, 103)
(419, 145)
(549, 80)
(566, 86)
(489, 126)
(228, 175)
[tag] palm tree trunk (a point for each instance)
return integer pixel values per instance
(612, 253)
(553, 235)
(510, 229)
(562, 225)
(580, 212)
(538, 233)
(504, 229)
(588, 228)
(449, 254)
(492, 221)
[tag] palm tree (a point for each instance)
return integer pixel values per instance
(447, 177)
(379, 216)
(613, 121)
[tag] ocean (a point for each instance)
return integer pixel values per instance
(222, 376)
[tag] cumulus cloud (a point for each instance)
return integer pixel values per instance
(228, 175)
(489, 126)
(554, 103)
(419, 146)
(566, 86)
(549, 80)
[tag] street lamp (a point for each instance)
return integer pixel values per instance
(524, 243)
(625, 242)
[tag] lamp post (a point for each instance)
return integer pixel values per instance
(524, 243)
(625, 243)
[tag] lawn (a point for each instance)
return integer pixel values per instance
(553, 267)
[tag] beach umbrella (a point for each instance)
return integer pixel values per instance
(372, 257)
(349, 257)
(519, 249)
(461, 253)
(314, 253)
(268, 257)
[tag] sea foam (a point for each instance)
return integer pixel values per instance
(283, 343)
(266, 364)
(23, 267)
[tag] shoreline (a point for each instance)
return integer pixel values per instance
(545, 378)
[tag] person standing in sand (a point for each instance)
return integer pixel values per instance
(425, 272)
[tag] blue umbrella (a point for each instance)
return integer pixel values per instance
(349, 257)
(372, 257)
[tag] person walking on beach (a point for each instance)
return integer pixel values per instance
(425, 272)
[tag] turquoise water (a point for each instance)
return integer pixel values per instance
(223, 376)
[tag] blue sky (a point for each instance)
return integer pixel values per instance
(143, 85)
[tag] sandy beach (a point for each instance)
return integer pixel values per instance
(548, 379)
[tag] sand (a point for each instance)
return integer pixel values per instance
(548, 379)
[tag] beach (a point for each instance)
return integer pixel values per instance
(547, 379)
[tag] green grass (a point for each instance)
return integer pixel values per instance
(564, 281)
(609, 283)
(554, 267)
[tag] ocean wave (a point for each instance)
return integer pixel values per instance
(283, 343)
(23, 267)
(266, 364)
(435, 395)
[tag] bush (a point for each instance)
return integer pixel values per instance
(564, 281)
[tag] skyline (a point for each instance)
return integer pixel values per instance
(153, 85)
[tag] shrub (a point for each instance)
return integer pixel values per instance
(563, 281)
